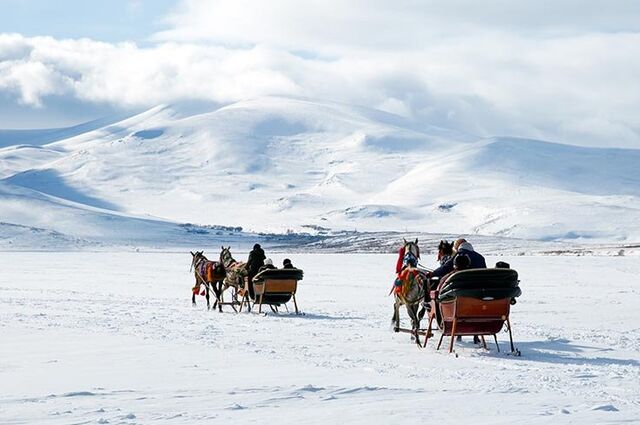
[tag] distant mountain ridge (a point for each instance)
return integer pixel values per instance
(280, 164)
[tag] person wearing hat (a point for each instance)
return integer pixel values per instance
(255, 261)
(286, 264)
(268, 265)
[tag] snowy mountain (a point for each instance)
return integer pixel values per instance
(279, 164)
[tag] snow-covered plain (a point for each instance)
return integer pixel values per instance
(99, 337)
(96, 324)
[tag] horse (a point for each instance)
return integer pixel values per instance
(236, 272)
(412, 291)
(445, 251)
(207, 273)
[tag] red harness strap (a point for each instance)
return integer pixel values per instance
(400, 260)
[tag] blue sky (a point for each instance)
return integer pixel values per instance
(104, 20)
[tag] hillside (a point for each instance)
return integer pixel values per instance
(278, 164)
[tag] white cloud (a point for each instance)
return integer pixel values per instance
(30, 80)
(557, 71)
(325, 25)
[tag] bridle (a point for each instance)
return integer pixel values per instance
(197, 259)
(226, 259)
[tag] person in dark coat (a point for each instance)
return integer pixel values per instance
(463, 247)
(464, 258)
(286, 264)
(461, 262)
(255, 261)
(268, 265)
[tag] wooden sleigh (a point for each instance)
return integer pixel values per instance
(474, 302)
(275, 288)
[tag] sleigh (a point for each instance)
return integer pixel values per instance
(474, 302)
(275, 288)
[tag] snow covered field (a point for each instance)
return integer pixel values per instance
(112, 338)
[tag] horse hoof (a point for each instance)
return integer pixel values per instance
(396, 329)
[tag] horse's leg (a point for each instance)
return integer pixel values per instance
(234, 297)
(215, 294)
(248, 298)
(193, 293)
(214, 288)
(412, 311)
(421, 313)
(234, 294)
(221, 299)
(396, 316)
(217, 289)
(419, 316)
(207, 295)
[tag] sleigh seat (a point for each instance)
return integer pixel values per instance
(276, 287)
(474, 302)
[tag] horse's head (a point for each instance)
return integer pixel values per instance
(226, 259)
(444, 248)
(196, 257)
(411, 247)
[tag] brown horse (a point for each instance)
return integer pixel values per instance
(445, 251)
(210, 274)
